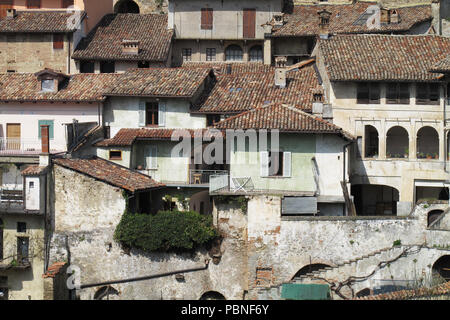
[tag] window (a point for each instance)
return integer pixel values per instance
(151, 159)
(187, 54)
(233, 53)
(256, 54)
(48, 85)
(22, 249)
(11, 71)
(397, 93)
(21, 227)
(210, 54)
(115, 155)
(248, 23)
(275, 164)
(427, 93)
(371, 142)
(31, 185)
(67, 3)
(87, 67)
(151, 113)
(33, 4)
(212, 118)
(58, 41)
(143, 64)
(368, 93)
(46, 123)
(207, 19)
(107, 67)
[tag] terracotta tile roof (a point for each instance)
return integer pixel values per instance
(383, 57)
(54, 269)
(25, 87)
(220, 68)
(442, 289)
(442, 65)
(104, 42)
(160, 82)
(126, 136)
(283, 117)
(110, 173)
(244, 91)
(40, 22)
(304, 20)
(34, 170)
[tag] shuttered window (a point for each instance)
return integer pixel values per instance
(427, 93)
(151, 159)
(49, 123)
(207, 19)
(397, 93)
(152, 112)
(33, 4)
(276, 164)
(368, 93)
(249, 22)
(58, 41)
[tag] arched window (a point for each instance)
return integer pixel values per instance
(397, 143)
(126, 6)
(433, 215)
(234, 53)
(371, 142)
(441, 269)
(256, 54)
(212, 295)
(427, 143)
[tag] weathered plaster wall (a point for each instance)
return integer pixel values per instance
(89, 223)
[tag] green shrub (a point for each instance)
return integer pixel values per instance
(167, 230)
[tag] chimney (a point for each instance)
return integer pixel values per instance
(130, 47)
(280, 72)
(11, 13)
(324, 23)
(385, 16)
(394, 17)
(278, 20)
(44, 157)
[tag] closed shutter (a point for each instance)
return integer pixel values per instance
(58, 41)
(207, 19)
(141, 113)
(46, 123)
(249, 23)
(162, 113)
(287, 164)
(33, 4)
(67, 3)
(152, 157)
(264, 159)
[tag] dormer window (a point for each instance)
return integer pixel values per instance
(48, 85)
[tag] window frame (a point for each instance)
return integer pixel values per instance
(399, 94)
(426, 99)
(232, 53)
(371, 94)
(209, 55)
(115, 157)
(186, 54)
(153, 108)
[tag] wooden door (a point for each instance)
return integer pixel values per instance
(13, 136)
(249, 23)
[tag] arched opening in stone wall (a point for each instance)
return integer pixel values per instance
(126, 6)
(433, 215)
(375, 200)
(212, 295)
(427, 143)
(310, 268)
(363, 293)
(105, 292)
(441, 269)
(397, 143)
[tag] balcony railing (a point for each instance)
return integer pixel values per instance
(15, 262)
(203, 176)
(13, 146)
(11, 199)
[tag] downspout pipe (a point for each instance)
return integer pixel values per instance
(344, 148)
(160, 275)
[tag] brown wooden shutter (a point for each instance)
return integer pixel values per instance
(33, 4)
(67, 3)
(207, 19)
(58, 41)
(249, 23)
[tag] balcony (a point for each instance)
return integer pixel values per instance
(11, 200)
(203, 176)
(21, 146)
(15, 262)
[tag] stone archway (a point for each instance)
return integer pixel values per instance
(126, 6)
(310, 268)
(441, 269)
(212, 295)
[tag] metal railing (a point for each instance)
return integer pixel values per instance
(203, 176)
(11, 196)
(27, 146)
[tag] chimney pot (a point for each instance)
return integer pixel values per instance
(11, 13)
(130, 47)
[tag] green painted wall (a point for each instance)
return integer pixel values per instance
(246, 163)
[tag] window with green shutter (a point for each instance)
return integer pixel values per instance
(45, 123)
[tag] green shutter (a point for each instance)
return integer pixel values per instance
(45, 123)
(297, 291)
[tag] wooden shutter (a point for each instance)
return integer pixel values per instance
(49, 123)
(33, 4)
(264, 159)
(141, 113)
(58, 41)
(249, 23)
(152, 157)
(67, 3)
(207, 19)
(287, 164)
(162, 113)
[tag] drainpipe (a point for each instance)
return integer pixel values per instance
(445, 131)
(160, 275)
(344, 148)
